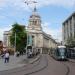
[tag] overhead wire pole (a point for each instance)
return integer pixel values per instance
(15, 43)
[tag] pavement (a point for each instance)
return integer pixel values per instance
(72, 60)
(16, 62)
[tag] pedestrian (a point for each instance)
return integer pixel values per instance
(6, 57)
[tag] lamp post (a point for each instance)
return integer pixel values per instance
(15, 43)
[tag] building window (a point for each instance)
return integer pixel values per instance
(31, 22)
(34, 22)
(74, 26)
(67, 29)
(32, 40)
(70, 27)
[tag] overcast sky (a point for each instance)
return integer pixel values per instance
(52, 12)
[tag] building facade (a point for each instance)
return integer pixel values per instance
(68, 28)
(1, 47)
(6, 38)
(36, 37)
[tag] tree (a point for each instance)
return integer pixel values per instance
(21, 37)
(71, 42)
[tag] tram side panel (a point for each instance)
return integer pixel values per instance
(59, 53)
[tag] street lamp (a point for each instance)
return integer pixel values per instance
(15, 43)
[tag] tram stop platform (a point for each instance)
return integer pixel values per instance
(72, 60)
(16, 62)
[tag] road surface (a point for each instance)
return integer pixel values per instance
(46, 65)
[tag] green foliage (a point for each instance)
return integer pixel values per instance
(71, 42)
(21, 37)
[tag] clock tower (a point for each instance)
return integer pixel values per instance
(34, 21)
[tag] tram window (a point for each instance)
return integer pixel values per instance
(62, 51)
(57, 52)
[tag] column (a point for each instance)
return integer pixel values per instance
(72, 26)
(69, 28)
(63, 33)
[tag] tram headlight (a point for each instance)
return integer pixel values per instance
(62, 57)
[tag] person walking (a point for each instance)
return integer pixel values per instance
(6, 57)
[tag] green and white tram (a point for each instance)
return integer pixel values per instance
(60, 53)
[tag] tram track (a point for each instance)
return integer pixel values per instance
(63, 63)
(68, 66)
(23, 68)
(27, 70)
(40, 69)
(38, 66)
(68, 69)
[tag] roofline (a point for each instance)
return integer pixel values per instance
(69, 17)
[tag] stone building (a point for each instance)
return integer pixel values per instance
(6, 38)
(68, 28)
(1, 47)
(36, 37)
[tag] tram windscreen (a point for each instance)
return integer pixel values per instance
(62, 51)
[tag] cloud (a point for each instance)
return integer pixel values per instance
(55, 33)
(2, 3)
(2, 17)
(63, 3)
(19, 4)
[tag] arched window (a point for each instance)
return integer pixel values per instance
(34, 22)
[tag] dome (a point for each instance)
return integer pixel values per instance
(34, 21)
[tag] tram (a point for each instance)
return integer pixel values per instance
(60, 53)
(31, 51)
